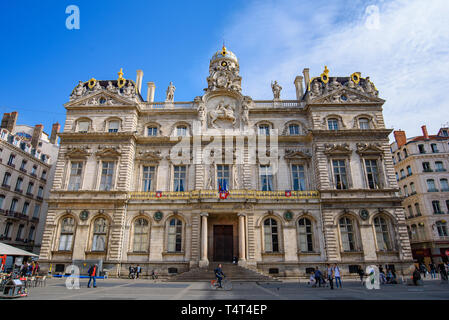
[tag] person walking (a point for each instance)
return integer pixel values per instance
(443, 272)
(337, 276)
(92, 272)
(138, 271)
(318, 276)
(219, 275)
(330, 276)
(432, 270)
(416, 276)
(423, 269)
(361, 274)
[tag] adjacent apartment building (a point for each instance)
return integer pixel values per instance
(26, 172)
(421, 164)
(281, 185)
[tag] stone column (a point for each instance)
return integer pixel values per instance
(242, 239)
(204, 262)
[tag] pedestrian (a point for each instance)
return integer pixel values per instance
(318, 276)
(443, 272)
(92, 272)
(416, 276)
(138, 270)
(312, 279)
(330, 276)
(337, 276)
(361, 274)
(432, 270)
(423, 269)
(154, 275)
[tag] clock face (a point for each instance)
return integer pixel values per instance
(364, 214)
(84, 215)
(158, 216)
(224, 63)
(288, 216)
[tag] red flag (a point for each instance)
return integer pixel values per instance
(288, 193)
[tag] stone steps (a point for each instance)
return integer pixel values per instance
(232, 271)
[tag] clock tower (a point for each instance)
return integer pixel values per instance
(224, 72)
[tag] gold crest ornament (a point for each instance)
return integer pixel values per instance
(223, 51)
(91, 83)
(355, 77)
(120, 81)
(325, 75)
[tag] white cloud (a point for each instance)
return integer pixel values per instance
(406, 55)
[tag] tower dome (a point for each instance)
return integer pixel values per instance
(224, 53)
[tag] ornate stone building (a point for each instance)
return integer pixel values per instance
(421, 165)
(283, 185)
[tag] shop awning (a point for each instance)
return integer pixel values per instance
(13, 251)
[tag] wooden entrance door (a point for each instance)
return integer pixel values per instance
(223, 243)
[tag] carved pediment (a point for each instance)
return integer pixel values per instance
(108, 152)
(149, 155)
(78, 152)
(345, 96)
(369, 149)
(337, 149)
(296, 154)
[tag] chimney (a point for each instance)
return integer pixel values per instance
(400, 137)
(424, 132)
(37, 132)
(306, 74)
(9, 120)
(299, 87)
(5, 120)
(150, 92)
(54, 132)
(139, 80)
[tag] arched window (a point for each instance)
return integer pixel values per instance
(442, 228)
(66, 235)
(271, 235)
(332, 124)
(294, 129)
(141, 235)
(83, 125)
(305, 235)
(100, 233)
(347, 234)
(181, 131)
(363, 123)
(151, 131)
(113, 125)
(264, 129)
(382, 234)
(174, 243)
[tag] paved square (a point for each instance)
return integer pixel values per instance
(125, 289)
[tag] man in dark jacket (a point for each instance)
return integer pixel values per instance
(318, 276)
(416, 276)
(92, 272)
(219, 275)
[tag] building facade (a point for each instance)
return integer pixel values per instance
(27, 155)
(281, 185)
(421, 165)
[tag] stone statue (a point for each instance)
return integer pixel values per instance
(334, 85)
(316, 89)
(128, 91)
(235, 176)
(79, 91)
(110, 87)
(351, 84)
(222, 111)
(170, 92)
(245, 113)
(276, 90)
(202, 113)
(211, 177)
(369, 87)
(97, 86)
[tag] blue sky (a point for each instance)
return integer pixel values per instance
(405, 52)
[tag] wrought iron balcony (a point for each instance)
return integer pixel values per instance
(233, 194)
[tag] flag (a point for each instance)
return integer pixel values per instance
(158, 194)
(223, 190)
(288, 193)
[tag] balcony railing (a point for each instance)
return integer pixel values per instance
(6, 186)
(39, 198)
(432, 190)
(427, 170)
(444, 189)
(233, 194)
(23, 170)
(257, 104)
(11, 165)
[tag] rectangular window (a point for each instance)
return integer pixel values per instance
(8, 229)
(19, 184)
(148, 176)
(107, 173)
(31, 234)
(181, 131)
(434, 148)
(436, 207)
(421, 148)
(431, 185)
(332, 124)
(364, 123)
(22, 165)
(298, 176)
(6, 179)
(264, 130)
(83, 126)
(40, 192)
(113, 126)
(25, 208)
(266, 178)
(37, 208)
(11, 160)
(30, 188)
(409, 171)
(294, 129)
(75, 176)
(19, 233)
(34, 170)
(340, 178)
(152, 131)
(410, 211)
(222, 177)
(444, 185)
(417, 209)
(179, 178)
(13, 205)
(439, 166)
(426, 167)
